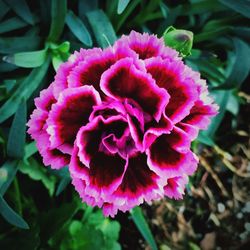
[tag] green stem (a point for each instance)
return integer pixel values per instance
(18, 197)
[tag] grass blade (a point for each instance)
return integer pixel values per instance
(122, 4)
(24, 91)
(143, 227)
(18, 44)
(22, 10)
(78, 28)
(10, 24)
(31, 59)
(58, 15)
(240, 6)
(7, 174)
(102, 28)
(241, 67)
(17, 135)
(11, 216)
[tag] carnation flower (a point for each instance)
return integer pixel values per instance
(123, 119)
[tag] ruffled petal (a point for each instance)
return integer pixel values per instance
(53, 157)
(170, 156)
(200, 115)
(182, 89)
(175, 187)
(89, 137)
(147, 46)
(139, 184)
(61, 78)
(69, 114)
(103, 175)
(124, 81)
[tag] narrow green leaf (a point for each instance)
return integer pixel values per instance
(56, 61)
(241, 67)
(17, 135)
(86, 6)
(17, 44)
(126, 13)
(11, 216)
(22, 10)
(58, 15)
(78, 28)
(30, 59)
(62, 185)
(212, 34)
(7, 174)
(240, 6)
(11, 24)
(221, 98)
(203, 138)
(6, 67)
(102, 28)
(24, 91)
(122, 4)
(201, 7)
(29, 150)
(38, 173)
(56, 218)
(143, 227)
(4, 8)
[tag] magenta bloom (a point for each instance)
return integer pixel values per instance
(123, 119)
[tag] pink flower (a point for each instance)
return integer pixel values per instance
(123, 119)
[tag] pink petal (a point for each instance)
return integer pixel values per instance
(168, 157)
(139, 184)
(175, 187)
(70, 113)
(123, 80)
(146, 46)
(53, 157)
(182, 90)
(61, 78)
(200, 115)
(90, 136)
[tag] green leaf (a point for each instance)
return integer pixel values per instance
(122, 4)
(11, 24)
(7, 174)
(31, 59)
(11, 216)
(4, 8)
(17, 135)
(86, 6)
(241, 67)
(56, 218)
(22, 10)
(233, 104)
(203, 138)
(17, 44)
(64, 182)
(221, 98)
(24, 91)
(38, 173)
(241, 6)
(143, 227)
(6, 67)
(78, 28)
(58, 15)
(29, 150)
(102, 28)
(201, 7)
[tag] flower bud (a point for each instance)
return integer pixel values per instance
(180, 40)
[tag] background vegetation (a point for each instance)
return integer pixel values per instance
(39, 210)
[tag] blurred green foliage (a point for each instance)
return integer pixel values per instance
(35, 37)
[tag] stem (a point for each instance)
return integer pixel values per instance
(18, 197)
